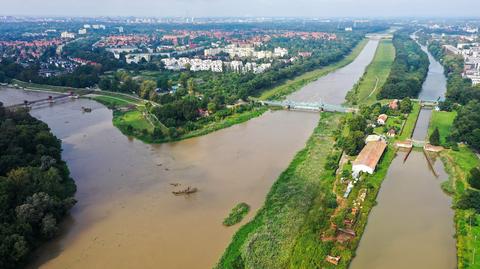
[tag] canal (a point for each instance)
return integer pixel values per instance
(412, 225)
(126, 215)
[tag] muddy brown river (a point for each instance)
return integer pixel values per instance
(126, 215)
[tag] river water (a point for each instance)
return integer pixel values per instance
(126, 215)
(435, 85)
(412, 225)
(333, 87)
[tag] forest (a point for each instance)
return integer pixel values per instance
(36, 190)
(408, 71)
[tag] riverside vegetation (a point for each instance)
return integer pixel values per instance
(294, 227)
(459, 122)
(36, 190)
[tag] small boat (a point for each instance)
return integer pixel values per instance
(86, 109)
(186, 191)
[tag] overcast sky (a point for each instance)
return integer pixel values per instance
(205, 8)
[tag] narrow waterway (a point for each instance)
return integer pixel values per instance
(435, 85)
(412, 225)
(333, 87)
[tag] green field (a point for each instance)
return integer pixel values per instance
(365, 91)
(297, 83)
(133, 118)
(443, 121)
(112, 101)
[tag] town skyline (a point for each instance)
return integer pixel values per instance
(248, 8)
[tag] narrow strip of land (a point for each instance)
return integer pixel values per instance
(377, 72)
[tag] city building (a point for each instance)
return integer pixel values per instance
(67, 35)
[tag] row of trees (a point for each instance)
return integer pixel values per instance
(408, 71)
(36, 189)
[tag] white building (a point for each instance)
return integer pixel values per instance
(382, 119)
(280, 52)
(67, 35)
(82, 31)
(368, 158)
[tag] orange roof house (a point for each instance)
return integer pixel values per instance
(382, 119)
(368, 158)
(393, 104)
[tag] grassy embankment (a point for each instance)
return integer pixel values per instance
(44, 87)
(290, 86)
(411, 121)
(377, 72)
(458, 163)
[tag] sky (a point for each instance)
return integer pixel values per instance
(240, 8)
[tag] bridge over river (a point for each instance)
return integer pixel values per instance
(51, 99)
(308, 106)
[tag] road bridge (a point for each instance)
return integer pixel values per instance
(310, 106)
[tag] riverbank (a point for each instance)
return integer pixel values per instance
(297, 226)
(458, 162)
(377, 72)
(290, 86)
(269, 240)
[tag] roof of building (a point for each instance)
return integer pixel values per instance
(383, 117)
(371, 154)
(393, 104)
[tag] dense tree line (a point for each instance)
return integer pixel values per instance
(461, 95)
(459, 89)
(36, 189)
(408, 71)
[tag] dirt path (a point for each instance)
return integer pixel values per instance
(374, 89)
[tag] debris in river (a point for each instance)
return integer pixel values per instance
(186, 191)
(86, 109)
(175, 184)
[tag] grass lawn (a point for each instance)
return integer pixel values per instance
(376, 74)
(443, 121)
(410, 123)
(112, 101)
(297, 83)
(133, 118)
